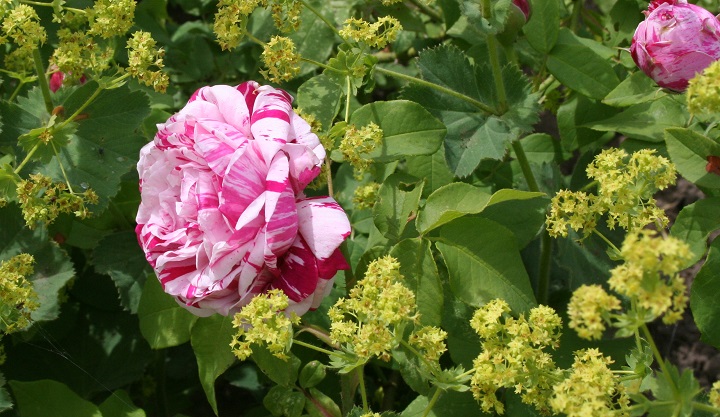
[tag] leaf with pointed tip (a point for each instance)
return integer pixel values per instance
(51, 398)
(210, 339)
(163, 323)
(689, 151)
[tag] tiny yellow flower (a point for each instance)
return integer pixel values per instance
(588, 311)
(281, 60)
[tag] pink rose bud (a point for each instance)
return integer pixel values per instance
(524, 7)
(56, 80)
(675, 42)
(223, 216)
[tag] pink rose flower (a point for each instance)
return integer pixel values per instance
(675, 42)
(223, 216)
(56, 80)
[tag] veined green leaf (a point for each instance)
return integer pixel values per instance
(163, 323)
(210, 338)
(50, 398)
(703, 296)
(689, 151)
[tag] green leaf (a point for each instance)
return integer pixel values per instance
(312, 374)
(484, 263)
(473, 135)
(50, 398)
(432, 168)
(408, 129)
(105, 145)
(5, 399)
(523, 212)
(120, 256)
(449, 203)
(320, 405)
(119, 404)
(284, 401)
(418, 267)
(163, 323)
(282, 372)
(53, 268)
(320, 97)
(542, 29)
(689, 151)
(580, 68)
(397, 198)
(450, 404)
(210, 339)
(695, 223)
(635, 89)
(703, 297)
(645, 121)
(314, 39)
(575, 115)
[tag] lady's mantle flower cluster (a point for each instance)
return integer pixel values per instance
(142, 56)
(21, 26)
(513, 355)
(357, 143)
(591, 389)
(263, 322)
(703, 93)
(377, 34)
(626, 184)
(281, 59)
(18, 298)
(367, 322)
(364, 196)
(232, 16)
(42, 200)
(648, 277)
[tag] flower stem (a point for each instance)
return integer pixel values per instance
(42, 79)
(433, 400)
(347, 99)
(424, 8)
(495, 60)
(313, 347)
(525, 166)
(87, 102)
(659, 359)
(482, 106)
(363, 393)
(62, 168)
(705, 407)
(15, 92)
(612, 245)
(27, 158)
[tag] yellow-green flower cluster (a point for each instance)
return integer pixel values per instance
(42, 200)
(357, 143)
(142, 55)
(589, 310)
(576, 210)
(18, 298)
(513, 355)
(365, 321)
(78, 53)
(263, 322)
(377, 34)
(281, 59)
(626, 184)
(591, 389)
(715, 395)
(703, 93)
(21, 26)
(650, 274)
(110, 18)
(286, 14)
(431, 342)
(232, 16)
(364, 196)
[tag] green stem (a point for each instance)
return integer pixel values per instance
(328, 176)
(659, 359)
(612, 245)
(416, 353)
(347, 99)
(434, 16)
(42, 79)
(482, 106)
(320, 64)
(17, 90)
(433, 400)
(525, 166)
(575, 18)
(62, 168)
(87, 102)
(27, 159)
(363, 393)
(705, 407)
(313, 347)
(38, 3)
(495, 60)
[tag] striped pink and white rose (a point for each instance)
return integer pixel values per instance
(223, 216)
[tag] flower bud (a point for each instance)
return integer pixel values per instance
(518, 15)
(675, 41)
